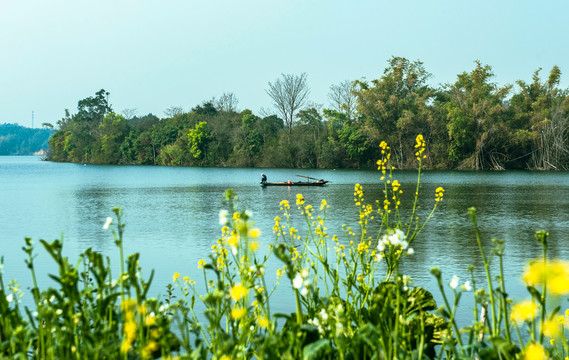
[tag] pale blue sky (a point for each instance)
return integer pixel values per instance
(152, 55)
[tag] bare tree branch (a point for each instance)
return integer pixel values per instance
(342, 99)
(227, 102)
(289, 94)
(129, 113)
(173, 111)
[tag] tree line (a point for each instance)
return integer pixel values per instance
(472, 123)
(20, 140)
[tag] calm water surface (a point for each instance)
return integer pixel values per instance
(172, 214)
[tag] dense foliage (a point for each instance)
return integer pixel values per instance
(20, 140)
(470, 124)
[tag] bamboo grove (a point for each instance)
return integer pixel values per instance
(472, 123)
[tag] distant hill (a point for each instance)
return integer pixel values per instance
(20, 140)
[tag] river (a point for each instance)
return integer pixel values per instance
(172, 215)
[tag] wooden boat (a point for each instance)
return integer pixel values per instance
(317, 182)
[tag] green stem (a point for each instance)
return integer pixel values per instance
(544, 289)
(298, 307)
(416, 200)
(451, 312)
(504, 302)
(472, 213)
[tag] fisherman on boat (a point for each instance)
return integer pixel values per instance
(263, 179)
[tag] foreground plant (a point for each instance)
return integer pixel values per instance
(350, 299)
(530, 329)
(88, 314)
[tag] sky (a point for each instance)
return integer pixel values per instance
(153, 55)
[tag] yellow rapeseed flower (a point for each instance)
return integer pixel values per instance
(130, 329)
(284, 204)
(128, 304)
(201, 263)
(558, 277)
(299, 199)
(550, 328)
(238, 312)
(233, 240)
(263, 322)
(534, 273)
(396, 185)
(555, 273)
(420, 141)
(254, 233)
(176, 276)
(237, 292)
(254, 246)
(125, 346)
(150, 347)
(439, 192)
(535, 352)
(150, 320)
(526, 310)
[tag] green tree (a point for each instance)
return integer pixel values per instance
(475, 113)
(113, 132)
(539, 121)
(311, 134)
(198, 138)
(76, 138)
(395, 107)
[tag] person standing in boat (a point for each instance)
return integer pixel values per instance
(263, 179)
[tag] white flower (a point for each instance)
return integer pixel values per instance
(323, 315)
(9, 298)
(304, 291)
(297, 281)
(466, 286)
(397, 239)
(454, 282)
(223, 217)
(410, 251)
(304, 273)
(107, 223)
(249, 214)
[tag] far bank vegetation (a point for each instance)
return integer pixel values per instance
(472, 123)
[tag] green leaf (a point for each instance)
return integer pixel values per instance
(535, 294)
(317, 350)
